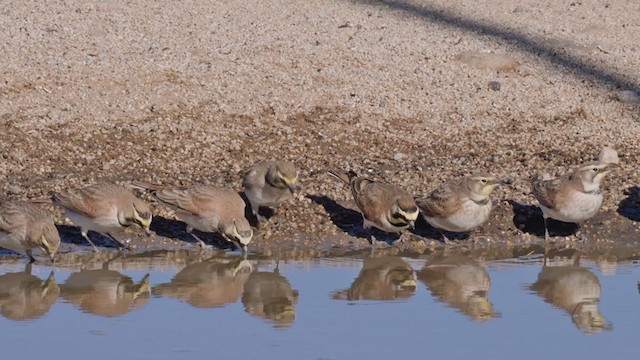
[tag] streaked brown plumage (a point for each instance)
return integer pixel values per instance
(459, 205)
(25, 226)
(104, 208)
(574, 198)
(383, 206)
(208, 209)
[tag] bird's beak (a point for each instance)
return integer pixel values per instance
(612, 166)
(292, 188)
(52, 256)
(147, 231)
(412, 225)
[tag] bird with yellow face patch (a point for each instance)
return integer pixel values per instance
(383, 206)
(104, 208)
(25, 226)
(269, 184)
(459, 205)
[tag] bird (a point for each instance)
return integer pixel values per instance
(383, 206)
(208, 209)
(24, 296)
(25, 226)
(573, 198)
(459, 205)
(381, 278)
(105, 292)
(104, 208)
(460, 282)
(269, 184)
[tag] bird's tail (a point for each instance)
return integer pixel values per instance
(342, 175)
(142, 185)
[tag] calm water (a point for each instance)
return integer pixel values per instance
(366, 307)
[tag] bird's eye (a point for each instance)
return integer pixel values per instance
(595, 169)
(484, 181)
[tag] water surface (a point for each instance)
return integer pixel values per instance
(366, 306)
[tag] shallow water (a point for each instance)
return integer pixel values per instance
(371, 306)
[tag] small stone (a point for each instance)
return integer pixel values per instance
(399, 156)
(628, 96)
(14, 190)
(494, 85)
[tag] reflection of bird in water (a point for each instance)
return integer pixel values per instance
(577, 291)
(460, 282)
(24, 296)
(269, 295)
(210, 283)
(381, 278)
(105, 292)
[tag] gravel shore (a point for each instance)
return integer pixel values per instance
(408, 92)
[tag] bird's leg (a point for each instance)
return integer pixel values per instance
(445, 239)
(30, 255)
(201, 243)
(579, 234)
(85, 234)
(118, 242)
(546, 229)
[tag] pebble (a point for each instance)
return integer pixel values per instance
(494, 85)
(628, 97)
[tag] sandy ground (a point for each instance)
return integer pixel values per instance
(409, 92)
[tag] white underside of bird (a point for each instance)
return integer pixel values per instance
(103, 224)
(469, 216)
(580, 207)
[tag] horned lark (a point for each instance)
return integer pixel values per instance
(575, 290)
(208, 284)
(383, 206)
(208, 209)
(105, 292)
(270, 296)
(381, 278)
(25, 296)
(574, 198)
(25, 226)
(104, 208)
(460, 282)
(269, 183)
(459, 205)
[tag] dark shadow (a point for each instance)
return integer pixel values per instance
(174, 229)
(72, 235)
(266, 212)
(427, 231)
(348, 220)
(542, 48)
(528, 218)
(630, 207)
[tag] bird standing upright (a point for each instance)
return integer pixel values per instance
(383, 206)
(269, 183)
(459, 205)
(574, 198)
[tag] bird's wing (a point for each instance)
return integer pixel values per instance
(11, 218)
(443, 201)
(546, 191)
(197, 200)
(254, 177)
(81, 201)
